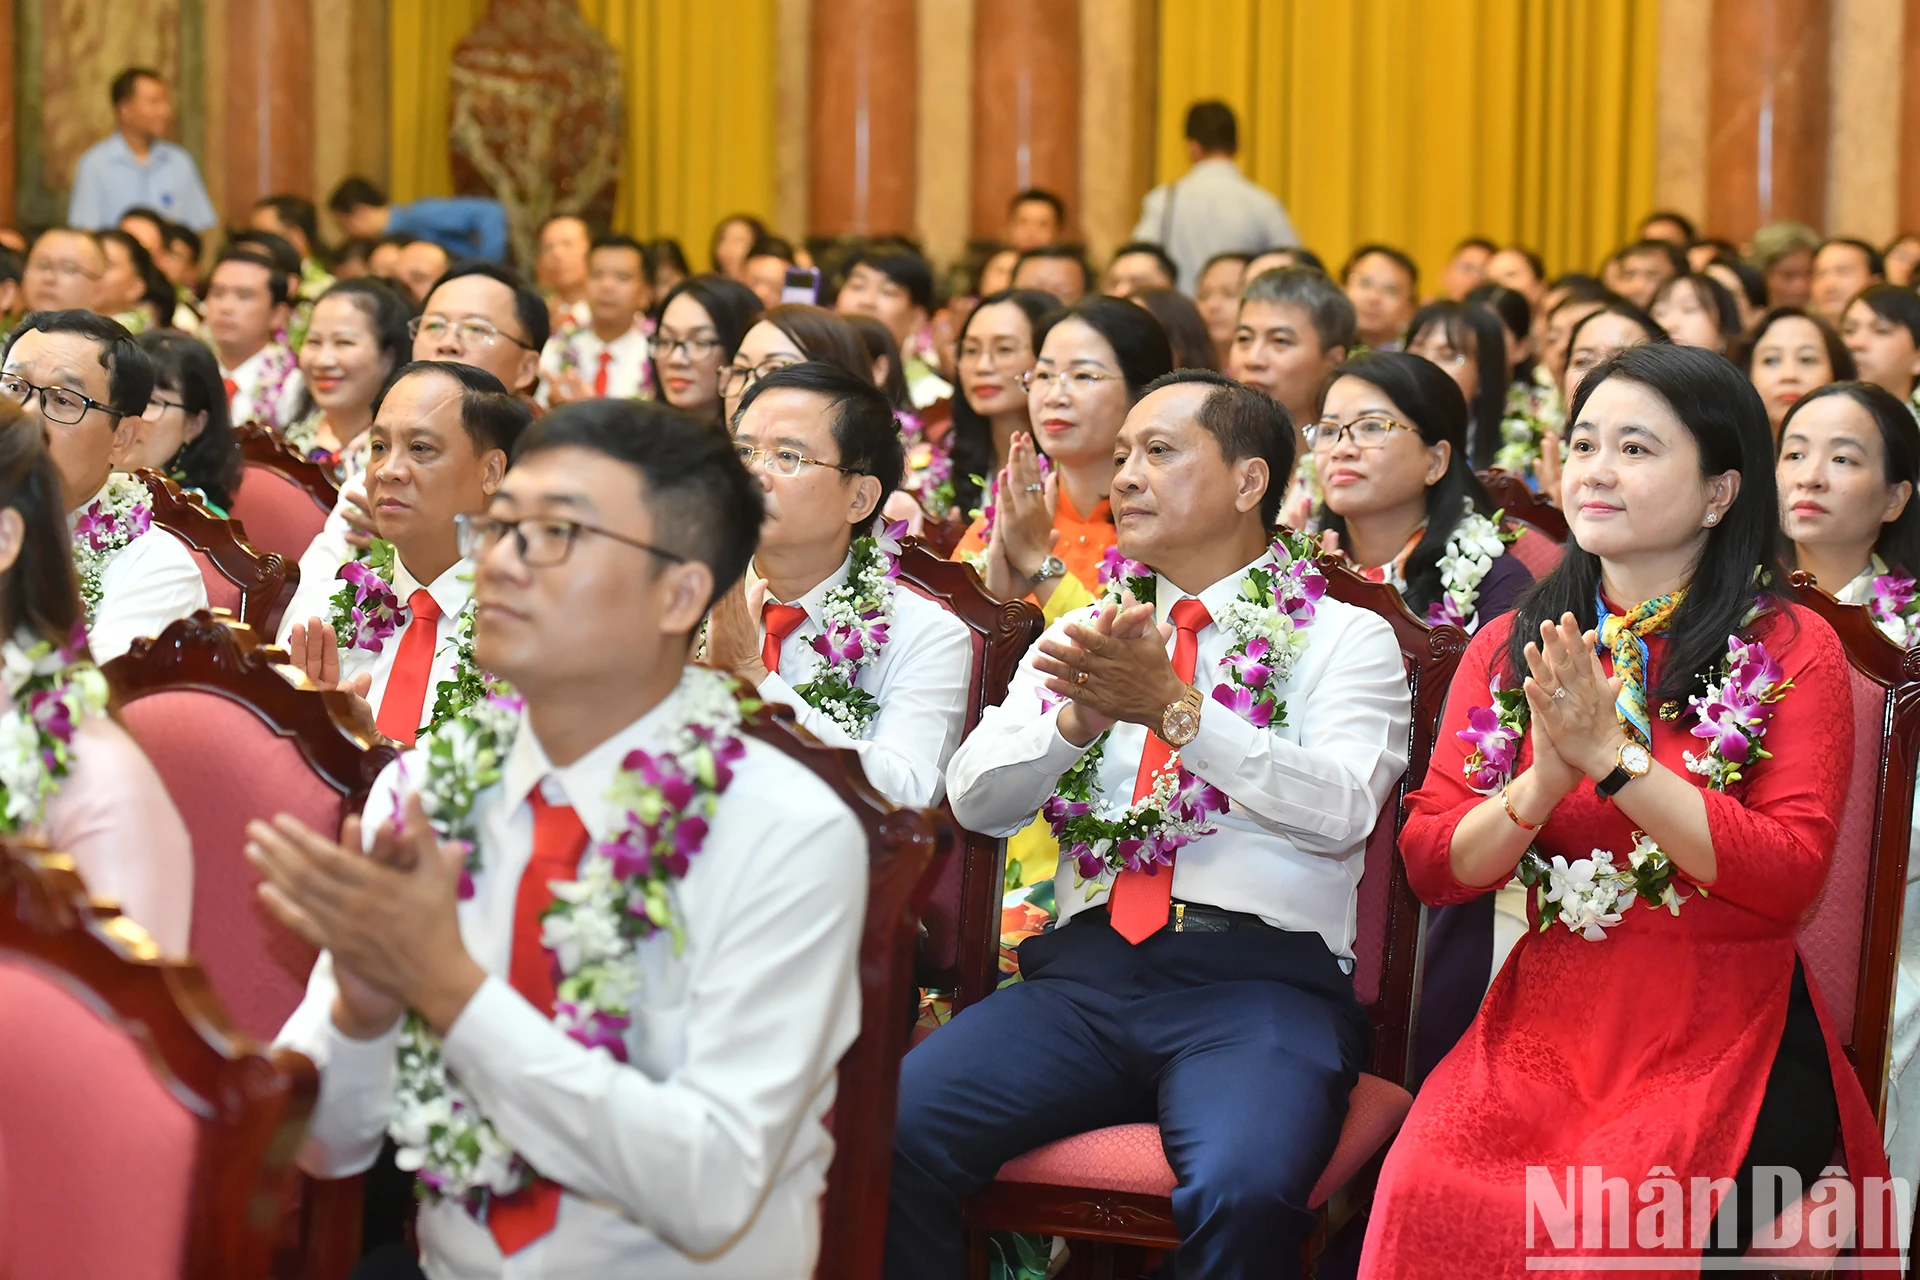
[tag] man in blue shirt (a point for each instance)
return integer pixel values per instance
(136, 165)
(465, 226)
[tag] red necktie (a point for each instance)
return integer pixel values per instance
(233, 388)
(406, 695)
(1139, 900)
(600, 378)
(558, 841)
(780, 620)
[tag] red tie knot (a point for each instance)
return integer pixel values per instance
(1190, 615)
(781, 619)
(424, 606)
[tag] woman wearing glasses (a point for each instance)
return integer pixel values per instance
(995, 351)
(700, 326)
(788, 335)
(187, 435)
(356, 338)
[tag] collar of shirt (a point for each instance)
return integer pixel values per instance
(1216, 597)
(159, 151)
(451, 590)
(590, 344)
(584, 783)
(814, 601)
(1860, 590)
(249, 370)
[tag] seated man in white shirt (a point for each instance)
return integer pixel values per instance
(1244, 1043)
(82, 380)
(248, 301)
(437, 450)
(606, 355)
(824, 446)
(689, 1139)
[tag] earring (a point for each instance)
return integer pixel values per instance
(1713, 517)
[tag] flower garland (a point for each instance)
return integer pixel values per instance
(366, 611)
(49, 691)
(1533, 416)
(277, 365)
(929, 473)
(1590, 895)
(1268, 620)
(304, 436)
(468, 683)
(122, 512)
(623, 896)
(857, 614)
(1895, 606)
(1476, 542)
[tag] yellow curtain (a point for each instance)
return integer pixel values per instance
(1421, 122)
(699, 107)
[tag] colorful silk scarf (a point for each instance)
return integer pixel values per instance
(1625, 635)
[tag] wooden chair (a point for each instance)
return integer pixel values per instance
(1113, 1187)
(962, 919)
(283, 498)
(147, 1138)
(254, 586)
(943, 535)
(1524, 505)
(901, 847)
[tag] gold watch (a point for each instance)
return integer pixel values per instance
(1181, 720)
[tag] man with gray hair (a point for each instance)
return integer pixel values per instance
(1296, 326)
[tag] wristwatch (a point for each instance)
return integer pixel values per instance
(1633, 762)
(1051, 567)
(1181, 720)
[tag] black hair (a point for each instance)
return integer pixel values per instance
(705, 505)
(1713, 298)
(878, 341)
(42, 591)
(277, 249)
(1728, 423)
(296, 211)
(1876, 261)
(1396, 256)
(279, 288)
(493, 417)
(1616, 306)
(769, 246)
(12, 266)
(529, 308)
(863, 425)
(902, 266)
(386, 314)
(730, 305)
(1186, 327)
(1679, 220)
(1435, 408)
(666, 252)
(822, 335)
(752, 223)
(137, 257)
(617, 240)
(1134, 333)
(1476, 242)
(1066, 253)
(1839, 359)
(1153, 251)
(1328, 308)
(173, 233)
(1245, 424)
(353, 249)
(1532, 259)
(1676, 256)
(1893, 302)
(1034, 195)
(129, 372)
(124, 84)
(1212, 125)
(1300, 256)
(356, 193)
(1753, 281)
(1231, 255)
(1579, 289)
(145, 214)
(1474, 332)
(211, 461)
(1899, 541)
(1510, 305)
(970, 434)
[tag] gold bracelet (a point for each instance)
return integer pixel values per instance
(1518, 821)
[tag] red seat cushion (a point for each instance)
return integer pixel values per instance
(278, 514)
(1128, 1158)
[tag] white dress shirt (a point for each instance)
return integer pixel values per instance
(254, 396)
(1216, 209)
(626, 368)
(145, 585)
(1304, 796)
(706, 1154)
(920, 681)
(451, 591)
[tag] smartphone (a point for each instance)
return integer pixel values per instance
(803, 285)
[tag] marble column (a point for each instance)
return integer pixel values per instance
(1908, 212)
(9, 152)
(792, 20)
(1118, 82)
(943, 213)
(1767, 115)
(1680, 128)
(1864, 69)
(269, 101)
(861, 163)
(1026, 106)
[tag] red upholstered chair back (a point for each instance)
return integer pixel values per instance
(260, 447)
(1850, 938)
(962, 917)
(1523, 504)
(1387, 925)
(235, 739)
(253, 586)
(151, 1128)
(279, 514)
(901, 847)
(1535, 550)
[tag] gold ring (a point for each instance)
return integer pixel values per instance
(1080, 677)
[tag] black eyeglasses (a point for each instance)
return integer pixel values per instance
(542, 541)
(63, 405)
(469, 334)
(736, 378)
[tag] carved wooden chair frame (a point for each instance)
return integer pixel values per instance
(266, 579)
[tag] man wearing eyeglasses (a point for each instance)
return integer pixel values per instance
(247, 303)
(63, 270)
(439, 445)
(824, 447)
(690, 1142)
(81, 379)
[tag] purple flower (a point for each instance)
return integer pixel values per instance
(1751, 669)
(629, 858)
(1730, 723)
(139, 520)
(1092, 866)
(1117, 567)
(1494, 747)
(1241, 701)
(1892, 593)
(1444, 612)
(599, 1030)
(1248, 667)
(1195, 799)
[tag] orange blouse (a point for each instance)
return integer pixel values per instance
(1083, 539)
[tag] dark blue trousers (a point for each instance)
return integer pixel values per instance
(1242, 1046)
